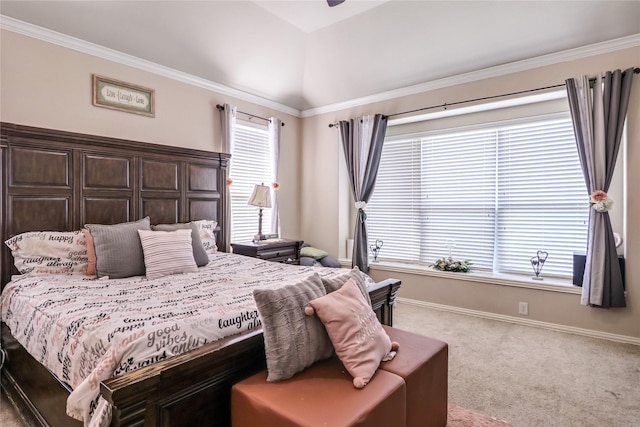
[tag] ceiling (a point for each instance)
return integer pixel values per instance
(310, 15)
(306, 55)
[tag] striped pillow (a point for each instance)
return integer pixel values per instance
(167, 252)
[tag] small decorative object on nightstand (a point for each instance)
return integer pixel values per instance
(278, 250)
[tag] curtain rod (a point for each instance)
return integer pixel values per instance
(445, 105)
(221, 108)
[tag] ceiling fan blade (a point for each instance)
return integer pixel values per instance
(332, 3)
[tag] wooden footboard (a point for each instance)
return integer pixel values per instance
(383, 298)
(192, 389)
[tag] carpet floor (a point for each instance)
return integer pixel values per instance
(461, 417)
(533, 377)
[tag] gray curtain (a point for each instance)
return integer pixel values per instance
(275, 126)
(228, 120)
(362, 139)
(598, 119)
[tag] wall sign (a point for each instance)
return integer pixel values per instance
(117, 95)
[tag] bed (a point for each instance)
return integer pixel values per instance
(55, 180)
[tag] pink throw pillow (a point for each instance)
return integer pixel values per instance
(357, 336)
(91, 253)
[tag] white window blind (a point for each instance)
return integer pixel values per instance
(250, 165)
(495, 195)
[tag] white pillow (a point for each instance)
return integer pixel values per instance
(207, 235)
(49, 252)
(167, 252)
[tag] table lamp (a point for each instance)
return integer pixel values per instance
(261, 198)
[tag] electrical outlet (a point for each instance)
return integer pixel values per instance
(523, 308)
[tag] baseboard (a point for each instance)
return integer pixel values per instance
(526, 322)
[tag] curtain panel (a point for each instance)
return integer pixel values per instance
(362, 140)
(598, 115)
(228, 129)
(274, 129)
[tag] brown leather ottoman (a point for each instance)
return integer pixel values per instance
(423, 363)
(321, 395)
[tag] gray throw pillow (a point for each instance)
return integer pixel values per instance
(308, 261)
(199, 254)
(293, 341)
(334, 282)
(118, 249)
(330, 261)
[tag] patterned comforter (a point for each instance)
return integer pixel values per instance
(86, 330)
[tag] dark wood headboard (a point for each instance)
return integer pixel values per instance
(55, 180)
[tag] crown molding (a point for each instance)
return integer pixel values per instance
(83, 46)
(497, 71)
(69, 42)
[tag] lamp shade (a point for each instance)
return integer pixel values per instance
(261, 196)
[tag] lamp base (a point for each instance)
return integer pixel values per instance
(259, 237)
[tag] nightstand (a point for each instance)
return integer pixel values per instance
(278, 250)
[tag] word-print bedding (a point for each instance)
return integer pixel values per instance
(85, 330)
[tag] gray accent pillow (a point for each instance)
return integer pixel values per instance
(118, 248)
(199, 254)
(293, 341)
(308, 261)
(330, 261)
(333, 283)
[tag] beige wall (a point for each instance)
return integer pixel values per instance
(326, 220)
(45, 85)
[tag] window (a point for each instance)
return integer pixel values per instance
(250, 165)
(494, 194)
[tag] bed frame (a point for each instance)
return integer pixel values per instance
(55, 180)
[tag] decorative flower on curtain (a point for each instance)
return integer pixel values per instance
(229, 182)
(601, 202)
(275, 185)
(361, 206)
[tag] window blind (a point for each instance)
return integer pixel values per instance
(496, 195)
(542, 199)
(394, 213)
(250, 165)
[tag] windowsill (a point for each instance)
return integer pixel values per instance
(551, 284)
